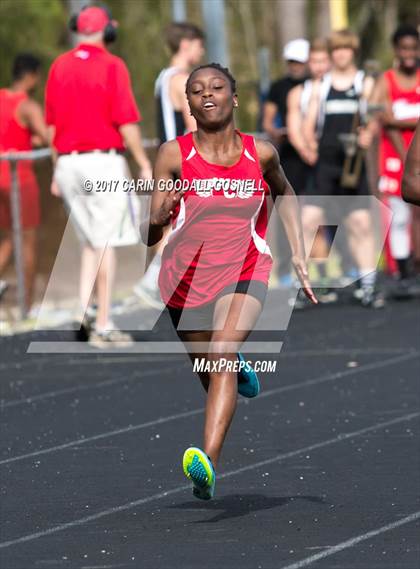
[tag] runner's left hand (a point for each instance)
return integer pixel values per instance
(302, 274)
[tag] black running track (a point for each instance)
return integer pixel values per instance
(321, 470)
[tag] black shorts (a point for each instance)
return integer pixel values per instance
(201, 316)
(327, 185)
(296, 170)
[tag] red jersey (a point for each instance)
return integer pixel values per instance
(405, 106)
(88, 96)
(218, 230)
(16, 137)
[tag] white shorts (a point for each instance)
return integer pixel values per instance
(101, 211)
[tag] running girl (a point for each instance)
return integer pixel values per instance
(216, 265)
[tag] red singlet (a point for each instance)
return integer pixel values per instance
(15, 137)
(218, 230)
(405, 106)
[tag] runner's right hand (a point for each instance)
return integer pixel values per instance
(164, 214)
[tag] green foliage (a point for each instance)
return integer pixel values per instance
(36, 26)
(40, 26)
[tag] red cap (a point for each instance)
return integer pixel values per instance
(91, 20)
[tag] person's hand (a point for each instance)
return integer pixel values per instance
(302, 274)
(55, 190)
(146, 171)
(36, 141)
(365, 138)
(309, 156)
(279, 135)
(166, 211)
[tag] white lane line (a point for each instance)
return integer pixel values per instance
(123, 507)
(353, 541)
(269, 393)
(66, 390)
(84, 387)
(339, 374)
(101, 436)
(346, 352)
(102, 359)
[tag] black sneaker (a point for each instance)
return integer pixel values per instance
(86, 326)
(371, 297)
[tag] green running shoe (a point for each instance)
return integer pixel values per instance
(248, 384)
(197, 467)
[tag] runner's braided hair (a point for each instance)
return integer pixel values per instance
(218, 67)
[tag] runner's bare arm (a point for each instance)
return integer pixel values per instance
(287, 205)
(168, 164)
(380, 96)
(309, 123)
(270, 111)
(411, 177)
(387, 116)
(30, 113)
(294, 122)
(180, 101)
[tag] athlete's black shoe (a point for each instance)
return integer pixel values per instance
(371, 297)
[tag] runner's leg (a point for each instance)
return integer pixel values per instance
(235, 315)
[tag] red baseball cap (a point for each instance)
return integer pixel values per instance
(91, 20)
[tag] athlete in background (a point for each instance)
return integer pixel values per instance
(216, 265)
(186, 44)
(91, 109)
(297, 107)
(295, 53)
(21, 125)
(398, 90)
(411, 176)
(331, 112)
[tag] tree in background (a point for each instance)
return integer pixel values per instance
(41, 26)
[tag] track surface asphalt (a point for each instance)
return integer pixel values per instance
(321, 470)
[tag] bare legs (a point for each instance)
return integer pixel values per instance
(29, 238)
(234, 317)
(97, 268)
(360, 234)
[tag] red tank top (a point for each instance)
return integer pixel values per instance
(219, 228)
(14, 137)
(405, 106)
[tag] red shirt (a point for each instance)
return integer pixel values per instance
(14, 137)
(88, 97)
(219, 228)
(405, 106)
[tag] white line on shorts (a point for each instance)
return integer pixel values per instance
(284, 456)
(184, 415)
(353, 541)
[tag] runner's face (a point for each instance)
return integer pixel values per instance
(319, 64)
(342, 57)
(407, 52)
(211, 99)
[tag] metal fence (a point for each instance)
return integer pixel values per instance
(15, 202)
